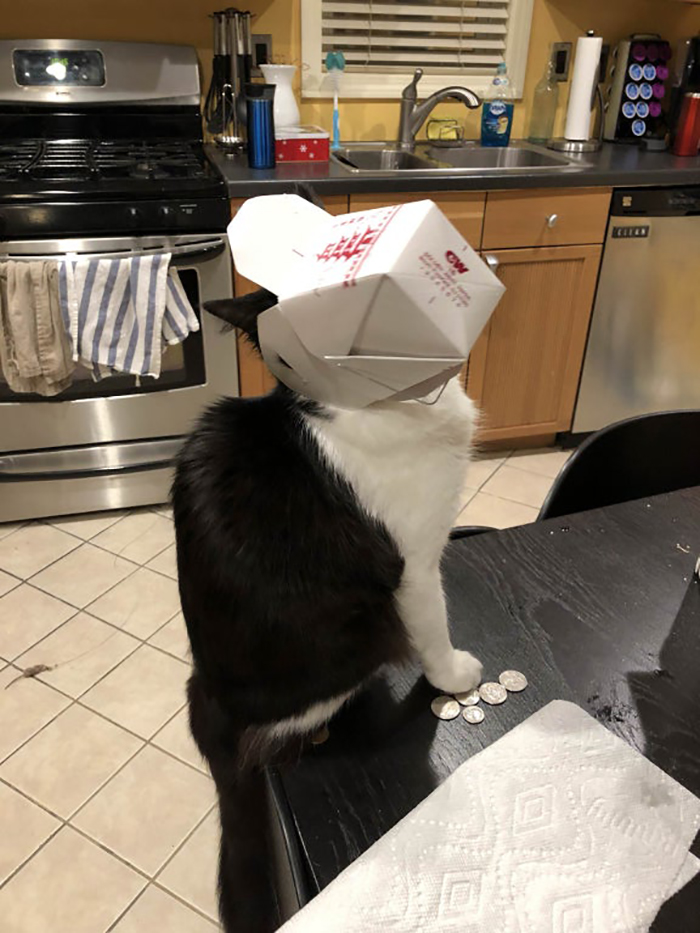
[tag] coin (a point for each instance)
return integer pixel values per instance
(493, 693)
(470, 698)
(473, 714)
(445, 708)
(513, 681)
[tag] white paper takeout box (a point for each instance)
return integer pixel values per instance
(373, 306)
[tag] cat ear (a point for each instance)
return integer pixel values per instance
(243, 312)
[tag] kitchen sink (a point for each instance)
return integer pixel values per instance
(464, 157)
(370, 159)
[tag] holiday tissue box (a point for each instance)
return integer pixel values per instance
(301, 144)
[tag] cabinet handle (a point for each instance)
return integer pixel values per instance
(493, 262)
(552, 219)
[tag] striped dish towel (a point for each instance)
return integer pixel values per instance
(120, 312)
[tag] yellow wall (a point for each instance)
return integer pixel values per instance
(187, 21)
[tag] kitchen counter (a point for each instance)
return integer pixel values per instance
(613, 165)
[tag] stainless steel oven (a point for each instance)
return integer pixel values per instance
(110, 444)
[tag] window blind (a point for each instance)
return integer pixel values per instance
(440, 36)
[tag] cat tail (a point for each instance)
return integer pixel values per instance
(237, 756)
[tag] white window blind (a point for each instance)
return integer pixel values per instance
(449, 36)
(383, 42)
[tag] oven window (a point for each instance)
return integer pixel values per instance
(182, 366)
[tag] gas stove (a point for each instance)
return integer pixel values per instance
(84, 156)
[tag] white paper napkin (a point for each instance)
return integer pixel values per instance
(558, 827)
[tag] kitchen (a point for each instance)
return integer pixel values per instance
(547, 229)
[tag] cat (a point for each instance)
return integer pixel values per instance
(309, 541)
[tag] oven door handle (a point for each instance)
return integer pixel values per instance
(204, 248)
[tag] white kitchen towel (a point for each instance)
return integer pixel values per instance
(121, 312)
(559, 826)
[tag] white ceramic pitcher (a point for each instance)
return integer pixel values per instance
(286, 111)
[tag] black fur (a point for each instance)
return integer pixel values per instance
(243, 312)
(287, 588)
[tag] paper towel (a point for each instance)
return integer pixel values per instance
(558, 826)
(583, 84)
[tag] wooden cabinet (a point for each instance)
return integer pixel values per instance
(254, 378)
(524, 369)
(545, 217)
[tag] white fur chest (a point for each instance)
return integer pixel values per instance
(406, 462)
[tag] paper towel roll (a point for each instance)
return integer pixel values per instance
(583, 83)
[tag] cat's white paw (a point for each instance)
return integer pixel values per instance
(460, 671)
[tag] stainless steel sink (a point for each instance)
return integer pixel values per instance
(509, 157)
(376, 158)
(383, 158)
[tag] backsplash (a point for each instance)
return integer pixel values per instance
(188, 21)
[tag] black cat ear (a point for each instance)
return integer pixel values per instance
(243, 312)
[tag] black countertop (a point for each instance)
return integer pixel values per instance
(613, 165)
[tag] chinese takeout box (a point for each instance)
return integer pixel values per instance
(373, 306)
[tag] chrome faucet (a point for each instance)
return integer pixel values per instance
(414, 115)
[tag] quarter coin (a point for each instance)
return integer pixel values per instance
(513, 681)
(493, 693)
(470, 698)
(473, 714)
(445, 708)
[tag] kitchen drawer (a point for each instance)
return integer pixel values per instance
(464, 209)
(545, 217)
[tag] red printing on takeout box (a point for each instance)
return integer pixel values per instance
(353, 245)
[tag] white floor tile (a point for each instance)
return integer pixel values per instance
(138, 537)
(24, 827)
(7, 528)
(88, 525)
(175, 737)
(192, 873)
(166, 563)
(145, 812)
(157, 911)
(7, 582)
(143, 693)
(82, 576)
(69, 760)
(518, 486)
(498, 513)
(79, 653)
(25, 706)
(32, 547)
(546, 461)
(70, 886)
(141, 604)
(479, 471)
(173, 639)
(27, 615)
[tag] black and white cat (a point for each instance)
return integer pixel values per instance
(309, 541)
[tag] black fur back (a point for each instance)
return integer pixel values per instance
(287, 588)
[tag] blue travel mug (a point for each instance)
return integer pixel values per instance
(261, 125)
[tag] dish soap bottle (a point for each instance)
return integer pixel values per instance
(497, 111)
(544, 107)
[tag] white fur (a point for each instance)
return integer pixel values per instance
(406, 462)
(315, 716)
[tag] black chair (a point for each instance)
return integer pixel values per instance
(640, 457)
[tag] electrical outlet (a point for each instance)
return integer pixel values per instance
(262, 52)
(561, 56)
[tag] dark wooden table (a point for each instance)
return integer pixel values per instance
(601, 608)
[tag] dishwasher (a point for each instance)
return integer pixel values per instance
(643, 352)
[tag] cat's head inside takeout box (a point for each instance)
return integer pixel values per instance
(373, 306)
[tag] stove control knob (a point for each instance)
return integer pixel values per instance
(133, 216)
(167, 213)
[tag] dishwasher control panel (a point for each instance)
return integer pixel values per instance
(640, 230)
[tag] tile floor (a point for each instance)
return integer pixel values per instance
(106, 808)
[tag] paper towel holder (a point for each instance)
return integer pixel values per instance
(576, 146)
